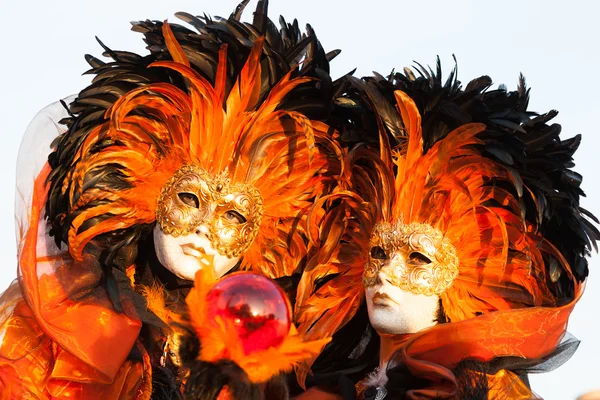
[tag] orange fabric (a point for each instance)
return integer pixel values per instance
(528, 332)
(54, 346)
(26, 356)
(432, 354)
(86, 328)
(32, 366)
(507, 385)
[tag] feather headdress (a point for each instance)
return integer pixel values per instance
(450, 186)
(528, 144)
(462, 194)
(120, 166)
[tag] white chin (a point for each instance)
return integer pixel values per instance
(186, 268)
(173, 257)
(389, 321)
(417, 312)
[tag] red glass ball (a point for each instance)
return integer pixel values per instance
(255, 305)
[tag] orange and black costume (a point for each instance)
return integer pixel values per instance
(508, 309)
(94, 312)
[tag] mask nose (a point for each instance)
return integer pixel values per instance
(201, 230)
(382, 278)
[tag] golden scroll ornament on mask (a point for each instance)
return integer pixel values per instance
(413, 257)
(230, 213)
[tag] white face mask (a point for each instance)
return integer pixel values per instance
(396, 311)
(409, 268)
(184, 255)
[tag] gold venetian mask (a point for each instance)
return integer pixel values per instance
(415, 257)
(230, 213)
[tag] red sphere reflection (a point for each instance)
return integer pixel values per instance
(256, 306)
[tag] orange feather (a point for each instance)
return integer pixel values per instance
(155, 129)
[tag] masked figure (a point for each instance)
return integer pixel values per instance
(191, 157)
(467, 284)
(450, 246)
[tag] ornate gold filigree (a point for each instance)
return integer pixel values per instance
(230, 213)
(171, 349)
(414, 257)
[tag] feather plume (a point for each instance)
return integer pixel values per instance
(154, 129)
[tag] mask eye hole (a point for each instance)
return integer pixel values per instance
(234, 217)
(417, 258)
(189, 199)
(378, 253)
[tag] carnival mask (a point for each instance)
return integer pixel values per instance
(204, 219)
(409, 267)
(416, 258)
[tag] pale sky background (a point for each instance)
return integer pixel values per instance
(554, 43)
